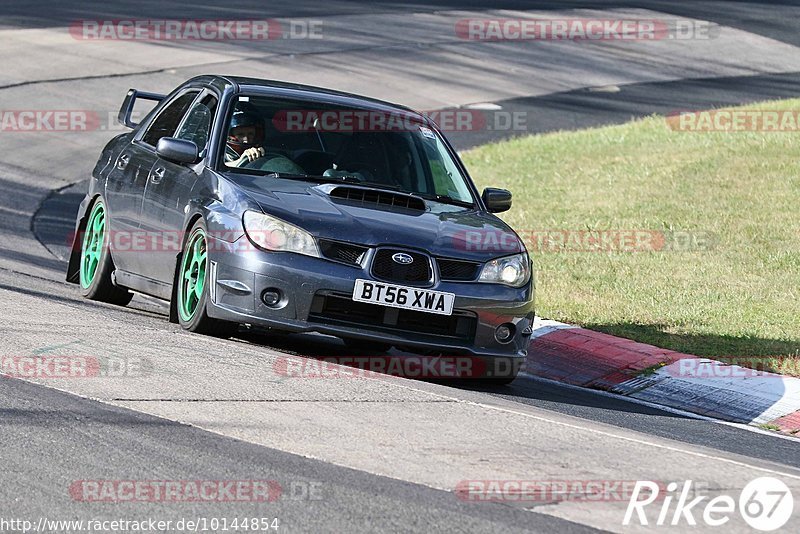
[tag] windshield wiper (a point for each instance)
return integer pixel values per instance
(447, 199)
(347, 178)
(313, 178)
(388, 187)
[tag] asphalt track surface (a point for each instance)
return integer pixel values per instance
(385, 453)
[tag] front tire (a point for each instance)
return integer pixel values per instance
(192, 287)
(96, 265)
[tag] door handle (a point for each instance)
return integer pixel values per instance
(122, 161)
(157, 175)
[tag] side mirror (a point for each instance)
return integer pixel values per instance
(177, 150)
(496, 200)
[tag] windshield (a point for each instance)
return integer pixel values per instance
(297, 140)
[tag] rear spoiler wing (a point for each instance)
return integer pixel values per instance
(126, 110)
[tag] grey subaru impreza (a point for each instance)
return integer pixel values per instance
(301, 209)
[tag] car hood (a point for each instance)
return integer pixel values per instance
(441, 229)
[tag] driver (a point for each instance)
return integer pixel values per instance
(245, 137)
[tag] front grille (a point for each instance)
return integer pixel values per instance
(343, 252)
(457, 270)
(374, 197)
(341, 310)
(385, 268)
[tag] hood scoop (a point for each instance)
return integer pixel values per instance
(377, 198)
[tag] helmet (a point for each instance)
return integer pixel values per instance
(246, 129)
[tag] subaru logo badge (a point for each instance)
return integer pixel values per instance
(402, 258)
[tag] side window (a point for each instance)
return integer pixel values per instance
(167, 121)
(197, 125)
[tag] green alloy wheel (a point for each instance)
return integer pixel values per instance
(96, 264)
(191, 287)
(192, 278)
(93, 240)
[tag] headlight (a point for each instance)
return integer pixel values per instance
(276, 235)
(514, 271)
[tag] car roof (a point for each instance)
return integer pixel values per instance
(303, 92)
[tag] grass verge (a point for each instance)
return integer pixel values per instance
(724, 277)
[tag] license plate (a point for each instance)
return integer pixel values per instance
(407, 298)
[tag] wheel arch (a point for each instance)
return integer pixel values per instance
(191, 219)
(73, 264)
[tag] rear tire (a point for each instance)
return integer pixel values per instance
(96, 265)
(192, 287)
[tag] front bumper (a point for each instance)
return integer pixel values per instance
(316, 298)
